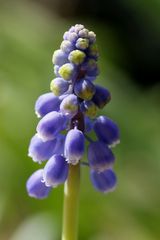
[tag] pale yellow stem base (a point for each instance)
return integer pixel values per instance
(71, 204)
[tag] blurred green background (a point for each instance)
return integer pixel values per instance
(29, 33)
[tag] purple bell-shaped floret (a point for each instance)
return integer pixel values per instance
(55, 171)
(101, 97)
(46, 103)
(103, 181)
(50, 125)
(36, 187)
(100, 157)
(40, 151)
(74, 146)
(106, 130)
(69, 105)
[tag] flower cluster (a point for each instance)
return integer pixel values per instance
(68, 115)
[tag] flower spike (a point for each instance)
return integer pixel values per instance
(68, 114)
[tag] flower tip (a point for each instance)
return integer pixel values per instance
(72, 161)
(110, 190)
(42, 137)
(114, 143)
(37, 114)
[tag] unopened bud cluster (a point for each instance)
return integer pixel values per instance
(68, 114)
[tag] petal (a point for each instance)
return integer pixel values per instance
(82, 43)
(100, 157)
(104, 181)
(84, 89)
(46, 103)
(88, 108)
(106, 130)
(55, 171)
(74, 146)
(59, 57)
(67, 46)
(40, 151)
(59, 86)
(67, 71)
(76, 57)
(35, 187)
(69, 105)
(101, 97)
(50, 125)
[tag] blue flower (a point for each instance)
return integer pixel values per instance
(100, 157)
(101, 97)
(40, 151)
(68, 115)
(46, 103)
(69, 105)
(76, 57)
(55, 171)
(67, 71)
(59, 57)
(89, 108)
(84, 89)
(106, 130)
(74, 146)
(59, 86)
(67, 46)
(36, 188)
(104, 181)
(51, 125)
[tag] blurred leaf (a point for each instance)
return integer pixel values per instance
(37, 227)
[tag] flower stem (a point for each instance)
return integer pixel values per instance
(71, 203)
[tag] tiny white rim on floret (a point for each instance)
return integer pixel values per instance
(110, 190)
(37, 114)
(114, 143)
(44, 138)
(72, 162)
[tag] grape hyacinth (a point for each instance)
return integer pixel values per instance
(68, 116)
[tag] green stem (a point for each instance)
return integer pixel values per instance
(71, 203)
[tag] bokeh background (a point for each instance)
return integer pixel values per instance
(128, 35)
